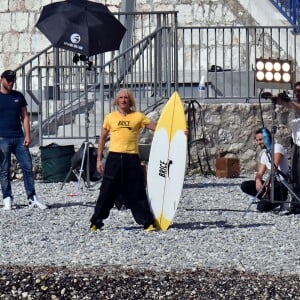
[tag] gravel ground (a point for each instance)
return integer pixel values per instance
(213, 250)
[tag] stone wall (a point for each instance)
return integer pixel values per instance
(21, 40)
(226, 130)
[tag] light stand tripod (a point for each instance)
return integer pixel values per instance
(86, 143)
(273, 131)
(274, 173)
(80, 165)
(85, 157)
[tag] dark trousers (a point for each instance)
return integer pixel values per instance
(123, 176)
(295, 170)
(280, 194)
(295, 176)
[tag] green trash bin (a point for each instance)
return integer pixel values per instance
(56, 162)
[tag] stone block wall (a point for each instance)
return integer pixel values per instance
(227, 130)
(222, 130)
(21, 40)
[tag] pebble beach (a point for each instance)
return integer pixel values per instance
(217, 248)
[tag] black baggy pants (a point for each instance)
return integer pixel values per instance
(280, 194)
(295, 176)
(123, 176)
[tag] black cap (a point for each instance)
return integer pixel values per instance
(9, 75)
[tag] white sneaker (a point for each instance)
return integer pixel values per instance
(7, 203)
(35, 203)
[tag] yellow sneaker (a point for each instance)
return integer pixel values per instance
(94, 227)
(150, 228)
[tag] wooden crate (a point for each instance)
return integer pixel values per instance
(227, 167)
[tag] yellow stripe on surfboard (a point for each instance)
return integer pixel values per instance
(162, 223)
(178, 109)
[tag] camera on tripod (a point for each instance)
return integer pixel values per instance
(282, 96)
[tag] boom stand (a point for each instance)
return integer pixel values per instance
(275, 173)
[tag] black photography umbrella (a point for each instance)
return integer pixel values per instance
(81, 26)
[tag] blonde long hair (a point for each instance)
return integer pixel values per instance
(130, 97)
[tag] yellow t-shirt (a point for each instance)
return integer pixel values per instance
(124, 130)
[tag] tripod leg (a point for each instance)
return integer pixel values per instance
(290, 189)
(67, 177)
(88, 167)
(256, 198)
(82, 164)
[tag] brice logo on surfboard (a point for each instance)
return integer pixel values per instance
(164, 168)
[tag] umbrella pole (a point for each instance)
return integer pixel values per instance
(87, 121)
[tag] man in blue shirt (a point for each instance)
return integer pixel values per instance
(15, 138)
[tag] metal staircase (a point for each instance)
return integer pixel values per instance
(290, 10)
(69, 97)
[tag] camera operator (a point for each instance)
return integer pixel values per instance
(285, 101)
(258, 187)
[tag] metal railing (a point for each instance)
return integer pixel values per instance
(290, 9)
(69, 101)
(75, 107)
(225, 56)
(56, 86)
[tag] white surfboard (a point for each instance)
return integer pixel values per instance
(167, 161)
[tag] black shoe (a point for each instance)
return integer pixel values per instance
(265, 205)
(294, 210)
(295, 207)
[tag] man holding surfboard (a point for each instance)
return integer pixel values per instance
(122, 174)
